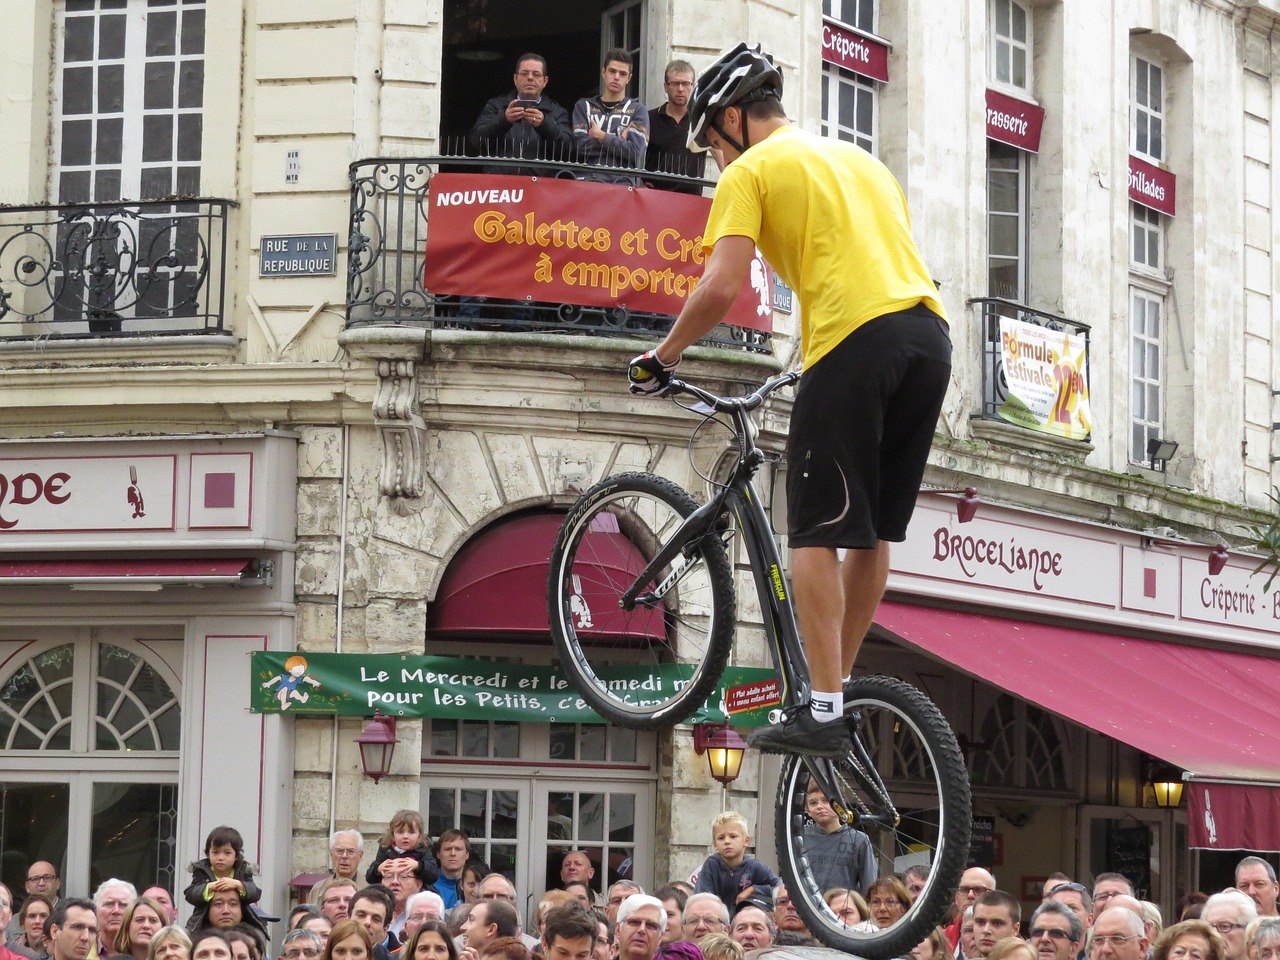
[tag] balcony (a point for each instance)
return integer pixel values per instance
(113, 271)
(388, 249)
(1035, 373)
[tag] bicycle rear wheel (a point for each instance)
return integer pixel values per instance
(681, 625)
(914, 808)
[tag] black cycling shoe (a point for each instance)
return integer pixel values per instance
(800, 733)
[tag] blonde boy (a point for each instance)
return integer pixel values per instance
(731, 873)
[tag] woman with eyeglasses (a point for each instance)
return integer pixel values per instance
(1262, 939)
(1190, 940)
(888, 899)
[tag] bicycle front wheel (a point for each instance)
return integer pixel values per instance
(680, 625)
(909, 791)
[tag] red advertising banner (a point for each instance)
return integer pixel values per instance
(566, 241)
(1151, 186)
(1013, 121)
(854, 50)
(1233, 816)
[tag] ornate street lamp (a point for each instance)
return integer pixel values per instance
(723, 747)
(377, 742)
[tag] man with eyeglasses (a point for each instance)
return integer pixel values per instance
(641, 923)
(668, 150)
(704, 914)
(334, 898)
(72, 929)
(785, 917)
(524, 122)
(618, 893)
(418, 909)
(301, 945)
(1256, 878)
(1056, 932)
(1076, 897)
(974, 882)
(346, 850)
(42, 878)
(1109, 885)
(403, 884)
(1230, 912)
(1118, 935)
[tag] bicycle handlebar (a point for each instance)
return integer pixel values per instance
(729, 404)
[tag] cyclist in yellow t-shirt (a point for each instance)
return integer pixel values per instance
(833, 222)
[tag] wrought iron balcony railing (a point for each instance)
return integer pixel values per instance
(995, 383)
(387, 250)
(126, 269)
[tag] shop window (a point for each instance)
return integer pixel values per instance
(849, 107)
(1148, 113)
(1010, 44)
(474, 738)
(1008, 225)
(1146, 381)
(128, 101)
(1021, 747)
(90, 724)
(592, 741)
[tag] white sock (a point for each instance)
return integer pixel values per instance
(826, 707)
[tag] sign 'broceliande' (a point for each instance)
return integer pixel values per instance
(591, 244)
(972, 552)
(417, 686)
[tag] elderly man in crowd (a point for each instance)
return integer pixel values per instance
(110, 900)
(418, 909)
(974, 882)
(1056, 931)
(1118, 935)
(641, 922)
(752, 927)
(1229, 913)
(705, 914)
(346, 850)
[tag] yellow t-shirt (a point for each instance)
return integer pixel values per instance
(832, 221)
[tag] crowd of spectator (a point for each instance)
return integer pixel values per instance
(420, 900)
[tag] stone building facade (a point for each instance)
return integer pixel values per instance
(1030, 138)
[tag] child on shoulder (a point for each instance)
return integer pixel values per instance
(731, 873)
(223, 868)
(405, 846)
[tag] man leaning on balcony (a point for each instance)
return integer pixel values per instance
(612, 129)
(523, 123)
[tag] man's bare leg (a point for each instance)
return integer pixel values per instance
(864, 574)
(819, 589)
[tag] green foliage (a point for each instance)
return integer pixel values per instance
(1266, 540)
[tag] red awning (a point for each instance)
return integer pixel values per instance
(498, 583)
(101, 572)
(1211, 712)
(1233, 816)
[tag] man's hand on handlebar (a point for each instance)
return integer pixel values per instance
(649, 374)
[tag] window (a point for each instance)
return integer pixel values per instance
(1007, 222)
(1024, 748)
(90, 721)
(1010, 44)
(1146, 349)
(623, 28)
(128, 99)
(1148, 109)
(849, 107)
(856, 13)
(1148, 232)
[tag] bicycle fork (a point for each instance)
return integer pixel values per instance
(866, 800)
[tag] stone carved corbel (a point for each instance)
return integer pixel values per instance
(397, 415)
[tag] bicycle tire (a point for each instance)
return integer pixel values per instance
(610, 533)
(923, 748)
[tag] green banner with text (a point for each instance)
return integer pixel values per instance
(415, 686)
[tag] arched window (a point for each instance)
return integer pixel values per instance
(1022, 747)
(90, 731)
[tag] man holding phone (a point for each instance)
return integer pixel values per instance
(523, 123)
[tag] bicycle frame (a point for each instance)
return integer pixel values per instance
(738, 496)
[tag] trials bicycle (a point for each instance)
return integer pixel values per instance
(640, 570)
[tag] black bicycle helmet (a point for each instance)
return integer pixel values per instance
(742, 75)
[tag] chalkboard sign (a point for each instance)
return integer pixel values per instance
(1129, 853)
(982, 845)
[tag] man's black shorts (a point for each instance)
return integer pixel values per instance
(861, 429)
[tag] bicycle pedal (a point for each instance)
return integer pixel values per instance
(775, 716)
